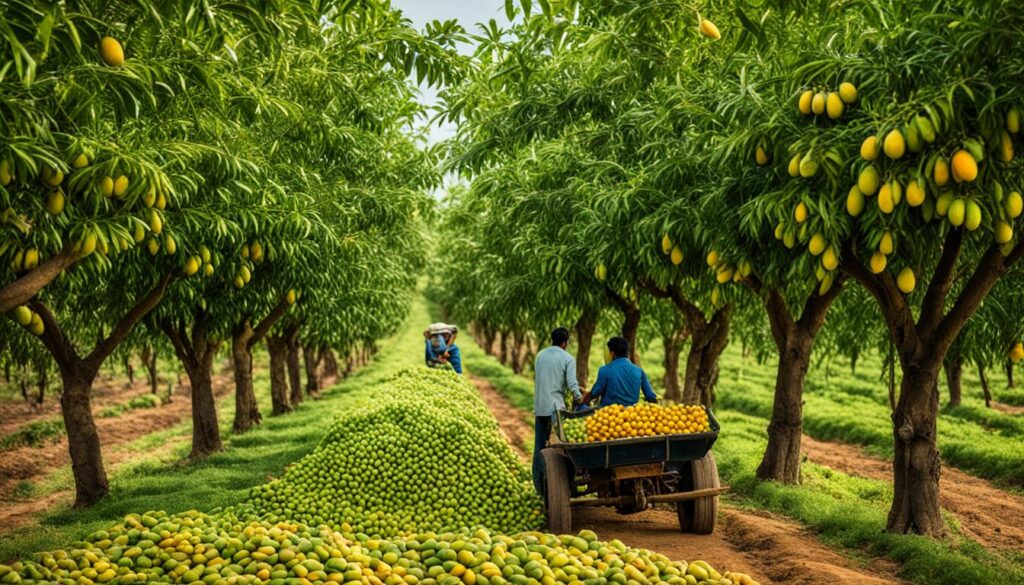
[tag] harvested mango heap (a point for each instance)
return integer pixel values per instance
(223, 549)
(641, 420)
(422, 454)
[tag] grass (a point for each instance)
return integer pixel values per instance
(141, 401)
(34, 434)
(854, 407)
(161, 482)
(846, 512)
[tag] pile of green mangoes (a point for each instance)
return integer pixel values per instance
(225, 549)
(574, 430)
(424, 454)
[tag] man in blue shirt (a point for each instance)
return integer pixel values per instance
(554, 374)
(620, 381)
(441, 350)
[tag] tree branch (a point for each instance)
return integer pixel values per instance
(816, 306)
(141, 308)
(264, 326)
(19, 292)
(780, 321)
(889, 297)
(985, 276)
(53, 336)
(941, 282)
(181, 345)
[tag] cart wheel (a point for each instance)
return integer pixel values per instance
(700, 516)
(556, 476)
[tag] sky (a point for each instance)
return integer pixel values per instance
(468, 13)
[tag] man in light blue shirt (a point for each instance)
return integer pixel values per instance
(554, 373)
(621, 381)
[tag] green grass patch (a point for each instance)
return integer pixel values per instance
(141, 401)
(34, 434)
(849, 512)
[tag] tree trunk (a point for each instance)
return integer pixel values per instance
(294, 375)
(916, 466)
(196, 354)
(1009, 374)
(707, 342)
(42, 381)
(129, 370)
(984, 385)
(330, 362)
(585, 328)
(954, 378)
(205, 428)
(489, 336)
(312, 379)
(517, 353)
(247, 412)
(630, 326)
(278, 350)
(149, 359)
(673, 347)
(781, 461)
(83, 440)
(503, 356)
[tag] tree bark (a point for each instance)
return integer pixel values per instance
(245, 336)
(585, 328)
(916, 465)
(984, 385)
(1009, 374)
(91, 483)
(630, 321)
(954, 378)
(196, 354)
(152, 375)
(489, 337)
(517, 353)
(278, 349)
(21, 291)
(707, 342)
(78, 374)
(129, 370)
(504, 355)
(312, 378)
(673, 345)
(247, 412)
(781, 461)
(294, 375)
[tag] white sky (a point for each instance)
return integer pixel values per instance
(468, 13)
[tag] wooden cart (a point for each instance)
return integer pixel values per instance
(633, 475)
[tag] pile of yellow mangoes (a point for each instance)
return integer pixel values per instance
(646, 420)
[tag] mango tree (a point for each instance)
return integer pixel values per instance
(933, 195)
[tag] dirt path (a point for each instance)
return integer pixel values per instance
(107, 391)
(33, 463)
(511, 421)
(1007, 408)
(768, 548)
(989, 515)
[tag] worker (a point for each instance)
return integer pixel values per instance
(554, 373)
(441, 351)
(620, 381)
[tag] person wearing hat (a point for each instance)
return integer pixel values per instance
(441, 351)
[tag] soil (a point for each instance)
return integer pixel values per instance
(991, 516)
(515, 429)
(33, 463)
(107, 391)
(768, 548)
(1007, 408)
